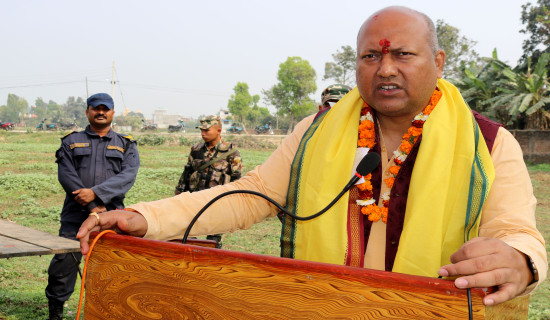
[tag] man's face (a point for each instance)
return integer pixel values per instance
(100, 116)
(400, 79)
(211, 134)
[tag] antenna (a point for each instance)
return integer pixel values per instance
(113, 81)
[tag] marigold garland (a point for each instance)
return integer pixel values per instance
(367, 138)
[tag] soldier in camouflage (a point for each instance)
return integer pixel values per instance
(211, 163)
(333, 94)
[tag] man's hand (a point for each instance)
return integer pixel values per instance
(84, 196)
(488, 262)
(99, 209)
(126, 222)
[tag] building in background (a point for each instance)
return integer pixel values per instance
(163, 119)
(224, 115)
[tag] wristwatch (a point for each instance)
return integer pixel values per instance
(532, 269)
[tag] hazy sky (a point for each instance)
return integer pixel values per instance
(186, 56)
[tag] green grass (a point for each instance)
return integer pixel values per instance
(32, 197)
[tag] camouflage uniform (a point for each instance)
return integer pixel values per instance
(220, 172)
(332, 93)
(227, 168)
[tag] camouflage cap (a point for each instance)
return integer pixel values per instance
(208, 121)
(334, 92)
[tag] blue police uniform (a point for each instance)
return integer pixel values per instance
(108, 165)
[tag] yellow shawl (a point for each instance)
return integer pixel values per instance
(452, 175)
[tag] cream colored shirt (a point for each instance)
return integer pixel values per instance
(508, 213)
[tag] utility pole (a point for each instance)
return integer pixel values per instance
(87, 94)
(113, 81)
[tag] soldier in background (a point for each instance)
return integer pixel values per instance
(333, 94)
(211, 163)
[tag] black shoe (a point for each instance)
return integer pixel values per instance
(56, 310)
(217, 238)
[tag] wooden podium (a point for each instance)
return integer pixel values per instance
(134, 278)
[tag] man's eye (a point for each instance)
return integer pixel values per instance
(404, 53)
(370, 56)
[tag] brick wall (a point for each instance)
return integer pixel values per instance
(535, 145)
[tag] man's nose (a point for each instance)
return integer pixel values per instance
(387, 67)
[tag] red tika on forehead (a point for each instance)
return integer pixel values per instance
(375, 17)
(385, 43)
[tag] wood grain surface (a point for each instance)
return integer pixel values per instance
(133, 278)
(19, 241)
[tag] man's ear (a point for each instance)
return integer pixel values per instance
(440, 62)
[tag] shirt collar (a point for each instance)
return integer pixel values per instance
(109, 134)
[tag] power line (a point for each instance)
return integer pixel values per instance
(41, 84)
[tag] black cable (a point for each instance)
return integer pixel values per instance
(470, 312)
(313, 216)
(77, 264)
(364, 167)
(470, 309)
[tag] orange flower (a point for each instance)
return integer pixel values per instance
(414, 131)
(389, 182)
(365, 185)
(384, 214)
(375, 214)
(394, 170)
(406, 147)
(366, 138)
(367, 134)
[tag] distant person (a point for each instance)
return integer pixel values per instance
(211, 163)
(96, 167)
(333, 94)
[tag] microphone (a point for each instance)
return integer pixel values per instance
(365, 166)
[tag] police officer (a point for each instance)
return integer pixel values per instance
(96, 167)
(211, 163)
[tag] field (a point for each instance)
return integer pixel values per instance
(32, 197)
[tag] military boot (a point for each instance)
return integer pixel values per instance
(56, 310)
(217, 238)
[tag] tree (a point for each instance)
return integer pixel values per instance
(343, 69)
(291, 95)
(257, 114)
(537, 21)
(75, 110)
(14, 110)
(55, 112)
(40, 108)
(511, 96)
(240, 102)
(458, 49)
(527, 94)
(132, 119)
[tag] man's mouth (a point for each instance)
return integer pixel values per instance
(388, 88)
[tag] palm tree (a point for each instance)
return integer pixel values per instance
(526, 94)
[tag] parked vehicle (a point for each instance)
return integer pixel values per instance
(149, 126)
(235, 128)
(266, 128)
(67, 125)
(43, 126)
(180, 127)
(7, 125)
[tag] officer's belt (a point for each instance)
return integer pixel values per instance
(216, 159)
